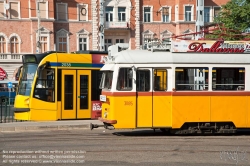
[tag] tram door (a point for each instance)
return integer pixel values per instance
(83, 94)
(161, 99)
(144, 115)
(68, 94)
(76, 96)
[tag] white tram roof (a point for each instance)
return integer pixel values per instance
(145, 56)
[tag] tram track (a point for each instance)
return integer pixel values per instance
(105, 138)
(145, 134)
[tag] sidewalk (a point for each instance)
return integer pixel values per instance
(47, 125)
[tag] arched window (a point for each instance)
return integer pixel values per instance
(2, 45)
(14, 45)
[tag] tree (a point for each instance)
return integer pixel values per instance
(235, 20)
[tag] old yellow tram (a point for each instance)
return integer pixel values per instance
(181, 90)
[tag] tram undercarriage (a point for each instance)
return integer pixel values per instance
(189, 128)
(203, 128)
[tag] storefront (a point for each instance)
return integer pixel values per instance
(4, 80)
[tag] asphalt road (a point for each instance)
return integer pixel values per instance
(124, 147)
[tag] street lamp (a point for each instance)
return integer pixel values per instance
(199, 17)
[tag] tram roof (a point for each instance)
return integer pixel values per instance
(145, 56)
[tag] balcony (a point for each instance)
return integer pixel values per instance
(10, 57)
(116, 25)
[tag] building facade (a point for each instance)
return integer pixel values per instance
(36, 26)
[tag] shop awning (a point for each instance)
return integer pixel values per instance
(3, 74)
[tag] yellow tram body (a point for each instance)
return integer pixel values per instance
(56, 86)
(178, 92)
(172, 110)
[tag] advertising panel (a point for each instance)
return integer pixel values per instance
(208, 46)
(96, 109)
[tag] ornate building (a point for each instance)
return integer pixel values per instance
(33, 26)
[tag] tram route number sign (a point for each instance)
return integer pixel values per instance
(66, 64)
(96, 109)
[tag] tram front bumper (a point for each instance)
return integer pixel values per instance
(107, 121)
(107, 124)
(21, 109)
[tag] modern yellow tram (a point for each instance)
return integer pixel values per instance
(56, 85)
(180, 92)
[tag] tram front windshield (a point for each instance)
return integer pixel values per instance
(106, 80)
(26, 80)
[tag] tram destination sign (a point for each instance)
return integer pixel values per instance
(207, 46)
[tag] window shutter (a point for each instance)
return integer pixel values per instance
(61, 12)
(43, 11)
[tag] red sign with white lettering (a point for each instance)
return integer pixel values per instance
(98, 58)
(96, 109)
(3, 74)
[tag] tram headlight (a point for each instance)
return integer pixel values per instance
(105, 114)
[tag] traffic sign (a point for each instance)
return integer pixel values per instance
(10, 85)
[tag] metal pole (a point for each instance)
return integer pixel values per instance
(101, 26)
(9, 95)
(38, 31)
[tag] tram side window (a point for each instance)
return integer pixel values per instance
(106, 80)
(160, 79)
(124, 82)
(228, 79)
(45, 85)
(142, 80)
(191, 79)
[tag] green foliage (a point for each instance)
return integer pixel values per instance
(235, 17)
